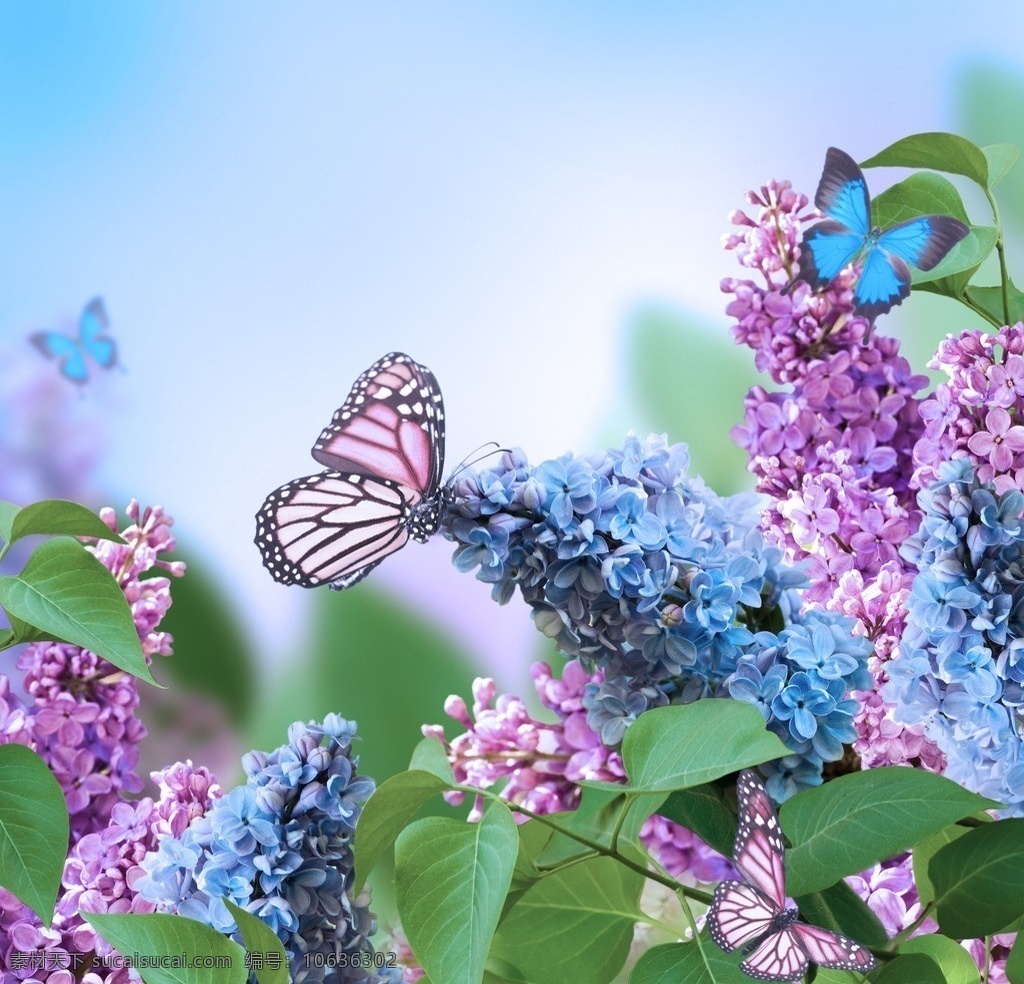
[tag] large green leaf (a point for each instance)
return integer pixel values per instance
(702, 810)
(1002, 158)
(1015, 961)
(452, 878)
(212, 652)
(58, 516)
(953, 960)
(385, 814)
(852, 822)
(670, 748)
(686, 963)
(939, 151)
(914, 968)
(34, 830)
(924, 851)
(267, 957)
(976, 879)
(65, 590)
(575, 924)
(991, 300)
(175, 945)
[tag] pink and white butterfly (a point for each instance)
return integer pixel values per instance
(384, 449)
(754, 914)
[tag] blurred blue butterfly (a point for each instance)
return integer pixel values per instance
(91, 341)
(847, 235)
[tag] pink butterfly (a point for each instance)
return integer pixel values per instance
(754, 915)
(385, 451)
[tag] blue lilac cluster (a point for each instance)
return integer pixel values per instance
(636, 567)
(960, 669)
(280, 846)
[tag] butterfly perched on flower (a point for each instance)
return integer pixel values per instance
(384, 449)
(91, 341)
(847, 235)
(754, 915)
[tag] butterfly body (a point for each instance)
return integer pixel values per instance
(848, 236)
(384, 449)
(73, 353)
(754, 914)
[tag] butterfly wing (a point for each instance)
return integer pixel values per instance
(779, 957)
(884, 281)
(759, 851)
(391, 426)
(93, 324)
(332, 528)
(832, 950)
(825, 251)
(924, 241)
(843, 193)
(66, 350)
(738, 914)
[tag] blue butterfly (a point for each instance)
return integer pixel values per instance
(91, 341)
(848, 235)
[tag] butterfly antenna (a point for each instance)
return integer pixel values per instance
(469, 460)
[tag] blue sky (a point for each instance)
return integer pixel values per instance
(271, 196)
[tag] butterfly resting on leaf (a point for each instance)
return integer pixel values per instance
(753, 914)
(384, 449)
(847, 236)
(92, 341)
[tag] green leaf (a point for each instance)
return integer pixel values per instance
(1001, 160)
(212, 652)
(8, 512)
(23, 632)
(58, 516)
(385, 814)
(1015, 961)
(533, 837)
(923, 853)
(7, 639)
(177, 940)
(953, 960)
(574, 924)
(852, 822)
(702, 810)
(991, 300)
(452, 878)
(267, 957)
(914, 968)
(951, 277)
(34, 830)
(430, 756)
(920, 194)
(945, 152)
(840, 909)
(978, 888)
(686, 963)
(66, 591)
(670, 748)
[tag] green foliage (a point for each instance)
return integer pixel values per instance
(688, 963)
(452, 878)
(671, 748)
(850, 823)
(955, 962)
(34, 830)
(261, 939)
(66, 594)
(52, 517)
(702, 810)
(173, 938)
(976, 879)
(538, 943)
(914, 968)
(212, 653)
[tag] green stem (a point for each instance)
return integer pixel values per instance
(1003, 275)
(694, 893)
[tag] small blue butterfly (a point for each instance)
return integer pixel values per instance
(91, 341)
(847, 235)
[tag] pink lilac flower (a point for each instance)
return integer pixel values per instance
(542, 763)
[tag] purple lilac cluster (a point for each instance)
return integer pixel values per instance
(542, 763)
(834, 450)
(81, 718)
(960, 672)
(640, 570)
(280, 846)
